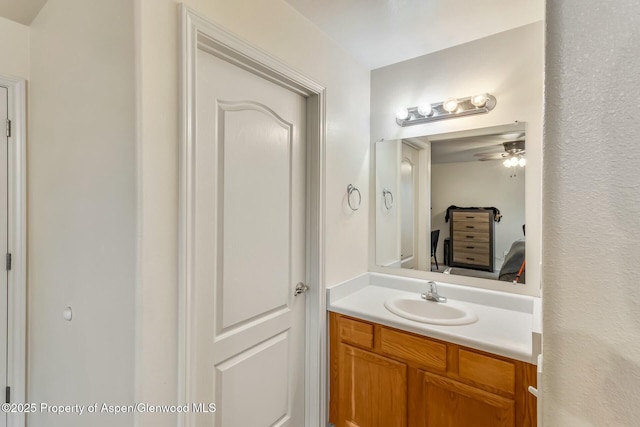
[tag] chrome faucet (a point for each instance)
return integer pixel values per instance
(432, 295)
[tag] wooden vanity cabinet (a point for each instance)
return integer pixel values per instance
(447, 402)
(384, 377)
(377, 387)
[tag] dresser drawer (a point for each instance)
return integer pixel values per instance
(355, 332)
(470, 236)
(471, 258)
(477, 227)
(487, 370)
(423, 351)
(471, 216)
(471, 247)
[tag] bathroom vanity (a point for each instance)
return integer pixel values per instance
(386, 370)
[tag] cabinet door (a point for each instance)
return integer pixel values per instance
(372, 390)
(449, 403)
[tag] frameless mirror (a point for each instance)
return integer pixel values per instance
(453, 203)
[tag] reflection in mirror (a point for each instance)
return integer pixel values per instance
(407, 210)
(459, 203)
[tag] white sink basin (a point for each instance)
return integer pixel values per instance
(437, 313)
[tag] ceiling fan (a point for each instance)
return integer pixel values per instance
(514, 152)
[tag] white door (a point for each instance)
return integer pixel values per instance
(249, 250)
(3, 246)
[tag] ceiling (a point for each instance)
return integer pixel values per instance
(22, 11)
(470, 149)
(382, 32)
(471, 145)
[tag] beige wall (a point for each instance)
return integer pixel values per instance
(508, 65)
(14, 49)
(592, 214)
(82, 209)
(277, 28)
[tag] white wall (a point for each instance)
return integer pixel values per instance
(592, 214)
(387, 224)
(14, 49)
(508, 65)
(82, 209)
(277, 28)
(480, 184)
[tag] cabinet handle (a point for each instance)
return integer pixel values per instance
(470, 226)
(470, 247)
(471, 259)
(470, 237)
(470, 217)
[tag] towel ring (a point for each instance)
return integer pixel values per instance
(388, 201)
(352, 189)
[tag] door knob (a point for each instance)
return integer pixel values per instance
(300, 289)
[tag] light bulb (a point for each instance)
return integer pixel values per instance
(450, 105)
(513, 161)
(425, 110)
(507, 163)
(479, 100)
(402, 114)
(522, 161)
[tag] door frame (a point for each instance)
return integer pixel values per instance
(17, 245)
(198, 32)
(415, 177)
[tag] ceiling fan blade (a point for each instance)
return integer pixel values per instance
(491, 156)
(513, 135)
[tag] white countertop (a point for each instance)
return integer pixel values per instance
(507, 324)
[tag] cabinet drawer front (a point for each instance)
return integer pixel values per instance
(471, 247)
(420, 350)
(470, 236)
(354, 332)
(471, 258)
(471, 216)
(478, 227)
(486, 370)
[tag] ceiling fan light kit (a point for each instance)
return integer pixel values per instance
(515, 161)
(448, 109)
(515, 154)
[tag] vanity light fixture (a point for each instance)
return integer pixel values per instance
(480, 100)
(402, 114)
(424, 113)
(450, 105)
(425, 110)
